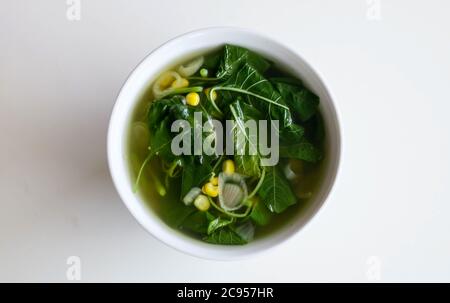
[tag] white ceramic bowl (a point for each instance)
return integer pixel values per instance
(164, 57)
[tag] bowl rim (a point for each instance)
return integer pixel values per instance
(208, 253)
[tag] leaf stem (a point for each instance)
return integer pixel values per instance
(138, 178)
(182, 90)
(241, 127)
(217, 165)
(238, 90)
(261, 180)
(170, 171)
(210, 99)
(204, 78)
(159, 186)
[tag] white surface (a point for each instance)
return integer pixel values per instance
(58, 82)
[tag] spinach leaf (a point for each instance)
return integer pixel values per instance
(159, 121)
(196, 222)
(292, 134)
(217, 223)
(159, 110)
(196, 170)
(177, 212)
(276, 191)
(305, 104)
(160, 140)
(235, 56)
(302, 101)
(248, 81)
(250, 111)
(212, 61)
(225, 236)
(184, 112)
(302, 151)
(287, 80)
(208, 109)
(246, 231)
(260, 214)
(244, 142)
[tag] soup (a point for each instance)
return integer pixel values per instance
(227, 147)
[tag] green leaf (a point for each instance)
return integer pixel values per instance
(208, 108)
(196, 169)
(302, 151)
(176, 212)
(276, 191)
(246, 231)
(305, 104)
(302, 101)
(217, 223)
(235, 56)
(292, 134)
(160, 140)
(196, 222)
(260, 214)
(212, 61)
(287, 80)
(246, 163)
(194, 173)
(247, 81)
(225, 236)
(159, 121)
(159, 110)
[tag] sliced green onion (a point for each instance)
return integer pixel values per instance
(191, 195)
(191, 67)
(232, 191)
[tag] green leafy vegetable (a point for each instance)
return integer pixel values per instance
(248, 81)
(261, 215)
(217, 223)
(239, 85)
(160, 140)
(196, 222)
(177, 213)
(301, 100)
(287, 80)
(292, 134)
(302, 151)
(247, 164)
(276, 191)
(194, 173)
(234, 57)
(212, 61)
(225, 236)
(246, 231)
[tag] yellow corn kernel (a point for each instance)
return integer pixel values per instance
(228, 167)
(210, 190)
(202, 203)
(180, 83)
(214, 181)
(214, 94)
(193, 99)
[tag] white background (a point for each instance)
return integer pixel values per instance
(391, 81)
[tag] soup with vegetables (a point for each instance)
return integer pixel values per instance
(227, 147)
